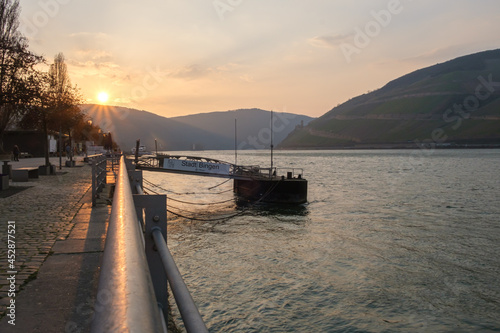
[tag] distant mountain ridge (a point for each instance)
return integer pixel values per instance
(204, 131)
(456, 102)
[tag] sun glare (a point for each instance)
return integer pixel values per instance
(103, 97)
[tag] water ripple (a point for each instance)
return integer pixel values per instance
(382, 246)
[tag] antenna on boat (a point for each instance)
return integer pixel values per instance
(156, 147)
(272, 146)
(235, 141)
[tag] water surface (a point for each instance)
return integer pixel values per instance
(389, 241)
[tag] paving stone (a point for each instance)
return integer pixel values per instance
(84, 231)
(42, 214)
(79, 245)
(59, 238)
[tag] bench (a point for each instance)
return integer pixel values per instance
(89, 158)
(22, 174)
(25, 155)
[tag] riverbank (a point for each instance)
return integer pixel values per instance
(59, 243)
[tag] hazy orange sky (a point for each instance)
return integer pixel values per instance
(175, 57)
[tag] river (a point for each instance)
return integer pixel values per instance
(389, 241)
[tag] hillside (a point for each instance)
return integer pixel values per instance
(456, 102)
(213, 130)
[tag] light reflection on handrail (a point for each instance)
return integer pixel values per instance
(130, 305)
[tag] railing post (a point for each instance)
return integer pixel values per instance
(129, 164)
(152, 212)
(102, 172)
(99, 173)
(98, 177)
(135, 177)
(94, 182)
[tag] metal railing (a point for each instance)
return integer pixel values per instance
(187, 308)
(291, 172)
(113, 165)
(99, 163)
(88, 158)
(137, 264)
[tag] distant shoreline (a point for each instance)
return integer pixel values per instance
(362, 147)
(389, 146)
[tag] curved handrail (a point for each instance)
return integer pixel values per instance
(129, 302)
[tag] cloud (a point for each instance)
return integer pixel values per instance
(89, 68)
(247, 78)
(190, 72)
(91, 46)
(94, 55)
(196, 71)
(229, 67)
(329, 41)
(96, 65)
(89, 35)
(90, 57)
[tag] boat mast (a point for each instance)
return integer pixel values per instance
(272, 146)
(235, 142)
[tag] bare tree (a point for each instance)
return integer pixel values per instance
(56, 108)
(63, 98)
(18, 77)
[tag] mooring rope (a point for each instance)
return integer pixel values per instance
(192, 203)
(147, 190)
(190, 211)
(201, 203)
(150, 190)
(219, 184)
(189, 193)
(269, 191)
(207, 220)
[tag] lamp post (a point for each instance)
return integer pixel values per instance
(89, 122)
(60, 147)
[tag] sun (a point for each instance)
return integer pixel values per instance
(103, 97)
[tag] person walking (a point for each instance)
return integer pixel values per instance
(68, 152)
(15, 152)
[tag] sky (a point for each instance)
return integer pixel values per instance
(174, 57)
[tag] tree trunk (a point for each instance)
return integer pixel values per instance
(60, 148)
(46, 142)
(71, 149)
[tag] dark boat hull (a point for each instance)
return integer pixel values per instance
(281, 191)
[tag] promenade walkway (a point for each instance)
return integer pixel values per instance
(59, 243)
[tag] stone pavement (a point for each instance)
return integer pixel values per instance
(37, 161)
(56, 226)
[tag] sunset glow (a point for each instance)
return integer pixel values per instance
(103, 97)
(183, 57)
